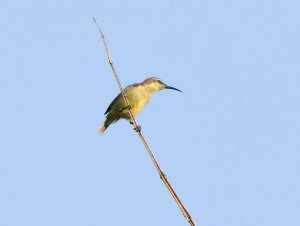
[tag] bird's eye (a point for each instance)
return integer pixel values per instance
(159, 81)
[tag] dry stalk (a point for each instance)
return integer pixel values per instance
(160, 172)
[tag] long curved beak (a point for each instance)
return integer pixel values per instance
(170, 87)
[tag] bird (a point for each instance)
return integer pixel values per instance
(138, 95)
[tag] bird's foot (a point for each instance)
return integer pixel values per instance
(138, 129)
(128, 107)
(163, 175)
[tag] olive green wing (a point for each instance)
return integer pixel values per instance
(112, 103)
(119, 96)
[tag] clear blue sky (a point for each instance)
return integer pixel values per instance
(229, 145)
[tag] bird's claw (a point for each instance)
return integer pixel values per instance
(163, 175)
(128, 107)
(138, 129)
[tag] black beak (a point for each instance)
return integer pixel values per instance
(170, 87)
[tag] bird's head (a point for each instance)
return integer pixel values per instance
(155, 85)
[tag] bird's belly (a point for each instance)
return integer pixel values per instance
(139, 106)
(138, 100)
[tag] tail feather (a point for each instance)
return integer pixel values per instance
(102, 129)
(105, 125)
(109, 120)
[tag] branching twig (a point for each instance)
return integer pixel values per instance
(161, 173)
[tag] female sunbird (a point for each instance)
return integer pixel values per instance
(138, 95)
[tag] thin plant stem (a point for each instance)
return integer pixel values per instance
(160, 172)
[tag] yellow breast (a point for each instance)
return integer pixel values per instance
(138, 98)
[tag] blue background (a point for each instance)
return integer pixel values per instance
(229, 145)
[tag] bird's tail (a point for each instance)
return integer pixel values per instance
(109, 120)
(102, 129)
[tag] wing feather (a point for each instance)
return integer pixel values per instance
(112, 103)
(120, 96)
